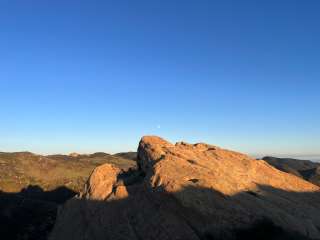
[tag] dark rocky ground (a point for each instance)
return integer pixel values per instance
(31, 213)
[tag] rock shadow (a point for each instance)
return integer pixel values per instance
(191, 213)
(31, 213)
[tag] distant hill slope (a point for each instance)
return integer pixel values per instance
(305, 169)
(22, 169)
(127, 155)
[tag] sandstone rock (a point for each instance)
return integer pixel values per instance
(187, 191)
(305, 169)
(101, 182)
(230, 186)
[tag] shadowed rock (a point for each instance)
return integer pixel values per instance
(30, 214)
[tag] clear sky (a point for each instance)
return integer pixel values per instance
(91, 76)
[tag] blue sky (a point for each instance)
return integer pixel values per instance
(91, 76)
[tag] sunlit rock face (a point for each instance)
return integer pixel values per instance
(305, 169)
(100, 185)
(191, 191)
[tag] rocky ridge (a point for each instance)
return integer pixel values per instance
(191, 191)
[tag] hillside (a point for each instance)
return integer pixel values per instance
(22, 169)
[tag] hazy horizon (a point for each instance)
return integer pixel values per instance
(96, 76)
(310, 156)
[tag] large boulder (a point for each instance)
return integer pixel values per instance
(186, 191)
(101, 182)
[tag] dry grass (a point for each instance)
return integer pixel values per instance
(19, 170)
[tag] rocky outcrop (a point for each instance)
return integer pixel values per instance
(100, 185)
(305, 169)
(186, 191)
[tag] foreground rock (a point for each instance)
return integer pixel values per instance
(185, 191)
